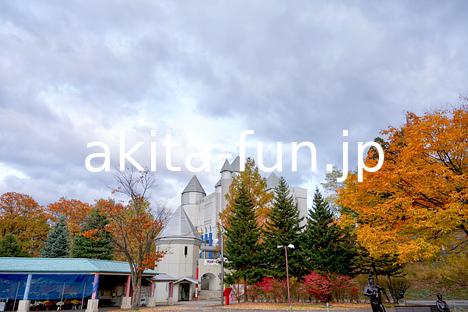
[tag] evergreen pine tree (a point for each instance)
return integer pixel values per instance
(283, 228)
(328, 248)
(9, 247)
(242, 241)
(94, 242)
(57, 243)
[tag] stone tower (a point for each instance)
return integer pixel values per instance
(192, 195)
(181, 243)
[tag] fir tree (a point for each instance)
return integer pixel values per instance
(94, 242)
(283, 228)
(328, 248)
(9, 247)
(57, 243)
(242, 241)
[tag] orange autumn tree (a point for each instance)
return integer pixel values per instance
(74, 211)
(415, 206)
(134, 227)
(256, 185)
(23, 217)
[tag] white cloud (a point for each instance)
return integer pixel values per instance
(71, 73)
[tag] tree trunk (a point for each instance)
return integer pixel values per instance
(390, 289)
(245, 290)
(136, 291)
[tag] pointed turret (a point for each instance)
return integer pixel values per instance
(235, 166)
(194, 186)
(181, 244)
(179, 226)
(226, 166)
(192, 195)
(225, 181)
(272, 181)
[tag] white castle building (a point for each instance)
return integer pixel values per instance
(191, 242)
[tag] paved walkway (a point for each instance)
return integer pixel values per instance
(215, 306)
(456, 305)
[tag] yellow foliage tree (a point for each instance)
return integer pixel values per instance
(416, 205)
(22, 216)
(256, 185)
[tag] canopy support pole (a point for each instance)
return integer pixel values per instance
(23, 305)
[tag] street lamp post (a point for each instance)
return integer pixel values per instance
(221, 247)
(291, 246)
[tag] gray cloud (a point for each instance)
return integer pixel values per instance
(71, 72)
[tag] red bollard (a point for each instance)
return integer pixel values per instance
(227, 293)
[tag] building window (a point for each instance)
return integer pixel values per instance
(185, 251)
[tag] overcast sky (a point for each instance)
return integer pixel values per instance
(72, 72)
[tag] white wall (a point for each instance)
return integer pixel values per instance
(191, 204)
(175, 262)
(300, 195)
(161, 292)
(209, 266)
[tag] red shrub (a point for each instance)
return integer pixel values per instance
(341, 286)
(318, 286)
(273, 289)
(266, 284)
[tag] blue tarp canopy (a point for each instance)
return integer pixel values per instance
(56, 278)
(46, 286)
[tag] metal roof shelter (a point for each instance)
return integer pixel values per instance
(66, 283)
(65, 265)
(163, 277)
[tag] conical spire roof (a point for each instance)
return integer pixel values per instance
(194, 186)
(272, 181)
(179, 226)
(226, 166)
(218, 183)
(235, 166)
